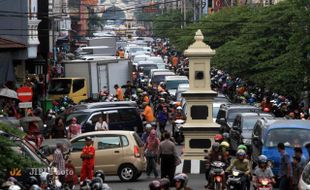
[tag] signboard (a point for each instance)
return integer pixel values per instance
(25, 105)
(24, 94)
(151, 8)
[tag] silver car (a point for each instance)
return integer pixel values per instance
(304, 181)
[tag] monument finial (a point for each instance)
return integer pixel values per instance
(199, 36)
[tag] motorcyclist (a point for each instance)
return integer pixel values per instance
(155, 185)
(180, 181)
(242, 164)
(262, 170)
(178, 115)
(218, 138)
(224, 146)
(214, 155)
(164, 184)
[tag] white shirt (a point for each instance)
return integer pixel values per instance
(101, 126)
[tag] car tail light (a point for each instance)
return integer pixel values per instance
(136, 151)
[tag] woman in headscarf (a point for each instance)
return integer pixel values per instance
(151, 151)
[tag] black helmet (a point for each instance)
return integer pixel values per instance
(100, 173)
(226, 135)
(154, 185)
(164, 183)
(96, 186)
(32, 181)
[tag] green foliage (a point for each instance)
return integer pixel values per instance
(266, 45)
(9, 159)
(167, 25)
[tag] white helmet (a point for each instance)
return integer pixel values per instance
(148, 126)
(14, 187)
(179, 108)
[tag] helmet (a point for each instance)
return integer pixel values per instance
(266, 110)
(185, 178)
(32, 180)
(179, 108)
(35, 187)
(139, 90)
(164, 183)
(100, 173)
(154, 185)
(144, 93)
(105, 187)
(96, 186)
(242, 147)
(148, 126)
(14, 187)
(180, 178)
(240, 153)
(262, 159)
(226, 135)
(225, 144)
(215, 146)
(218, 137)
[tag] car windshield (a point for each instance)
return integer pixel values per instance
(173, 84)
(80, 117)
(60, 86)
(134, 50)
(159, 78)
(161, 66)
(215, 111)
(233, 113)
(137, 59)
(306, 174)
(248, 123)
(147, 68)
(156, 60)
(290, 137)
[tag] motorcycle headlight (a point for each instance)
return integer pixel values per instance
(235, 173)
(264, 182)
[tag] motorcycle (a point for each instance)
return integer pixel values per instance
(217, 172)
(177, 131)
(234, 180)
(263, 184)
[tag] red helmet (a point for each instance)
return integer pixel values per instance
(266, 110)
(218, 137)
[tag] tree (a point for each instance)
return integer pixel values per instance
(10, 159)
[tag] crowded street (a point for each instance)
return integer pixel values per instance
(155, 95)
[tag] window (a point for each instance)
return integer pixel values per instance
(127, 114)
(77, 146)
(94, 118)
(114, 117)
(107, 142)
(125, 141)
(78, 84)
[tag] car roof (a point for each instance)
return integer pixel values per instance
(142, 55)
(241, 106)
(90, 110)
(146, 63)
(175, 77)
(254, 114)
(292, 123)
(105, 104)
(111, 132)
(164, 73)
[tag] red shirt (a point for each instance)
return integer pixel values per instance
(89, 150)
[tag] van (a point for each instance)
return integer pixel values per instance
(158, 70)
(159, 77)
(172, 83)
(74, 88)
(147, 67)
(119, 118)
(290, 132)
(94, 50)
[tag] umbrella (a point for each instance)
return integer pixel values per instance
(6, 92)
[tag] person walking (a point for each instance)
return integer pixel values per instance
(58, 129)
(167, 157)
(74, 128)
(151, 151)
(88, 158)
(148, 113)
(101, 125)
(285, 168)
(59, 161)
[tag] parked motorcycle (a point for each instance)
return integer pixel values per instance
(234, 180)
(177, 132)
(263, 184)
(217, 172)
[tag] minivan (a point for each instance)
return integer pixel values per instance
(119, 118)
(292, 133)
(172, 83)
(116, 153)
(160, 76)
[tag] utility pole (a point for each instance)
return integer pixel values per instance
(184, 12)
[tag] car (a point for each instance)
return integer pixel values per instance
(218, 101)
(158, 70)
(290, 132)
(160, 76)
(172, 83)
(147, 67)
(242, 128)
(228, 112)
(181, 88)
(304, 181)
(116, 153)
(119, 118)
(156, 59)
(138, 58)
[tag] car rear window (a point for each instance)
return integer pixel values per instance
(138, 140)
(232, 113)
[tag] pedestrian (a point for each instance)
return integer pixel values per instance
(101, 124)
(162, 118)
(167, 157)
(119, 93)
(285, 168)
(59, 161)
(151, 153)
(297, 170)
(147, 113)
(88, 158)
(146, 133)
(58, 129)
(74, 128)
(298, 153)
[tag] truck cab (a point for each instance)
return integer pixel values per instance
(74, 88)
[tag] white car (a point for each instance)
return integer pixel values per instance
(304, 181)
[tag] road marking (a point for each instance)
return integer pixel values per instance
(195, 166)
(179, 168)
